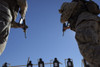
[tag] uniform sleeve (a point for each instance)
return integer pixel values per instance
(23, 7)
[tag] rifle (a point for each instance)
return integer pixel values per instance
(23, 22)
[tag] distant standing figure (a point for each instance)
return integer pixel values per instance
(69, 63)
(5, 65)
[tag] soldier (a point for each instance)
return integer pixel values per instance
(8, 13)
(86, 25)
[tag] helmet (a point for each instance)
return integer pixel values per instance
(67, 10)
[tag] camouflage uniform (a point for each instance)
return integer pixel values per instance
(88, 38)
(87, 28)
(8, 14)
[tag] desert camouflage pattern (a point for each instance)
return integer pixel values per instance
(87, 35)
(6, 20)
(66, 10)
(5, 24)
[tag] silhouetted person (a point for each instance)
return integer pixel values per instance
(69, 63)
(30, 64)
(55, 63)
(5, 65)
(40, 63)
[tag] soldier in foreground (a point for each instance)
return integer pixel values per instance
(8, 13)
(85, 22)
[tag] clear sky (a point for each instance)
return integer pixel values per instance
(44, 37)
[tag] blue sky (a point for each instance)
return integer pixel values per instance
(44, 37)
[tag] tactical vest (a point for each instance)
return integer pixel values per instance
(13, 6)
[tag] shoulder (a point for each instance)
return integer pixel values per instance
(86, 16)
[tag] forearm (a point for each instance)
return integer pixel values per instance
(18, 25)
(15, 25)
